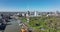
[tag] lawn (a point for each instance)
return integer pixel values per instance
(43, 24)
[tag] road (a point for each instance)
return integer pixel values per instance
(14, 27)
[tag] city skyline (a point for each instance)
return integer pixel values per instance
(31, 5)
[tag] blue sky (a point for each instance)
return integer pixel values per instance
(31, 5)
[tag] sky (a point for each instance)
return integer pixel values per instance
(31, 5)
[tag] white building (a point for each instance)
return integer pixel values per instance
(35, 13)
(23, 14)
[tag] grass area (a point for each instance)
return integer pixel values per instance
(23, 19)
(44, 24)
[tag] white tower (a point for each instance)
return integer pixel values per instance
(56, 13)
(35, 14)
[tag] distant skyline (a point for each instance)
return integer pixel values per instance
(31, 5)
